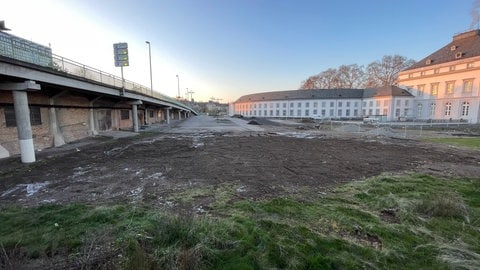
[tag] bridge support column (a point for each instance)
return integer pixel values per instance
(58, 139)
(167, 110)
(179, 115)
(22, 117)
(135, 117)
(135, 114)
(91, 116)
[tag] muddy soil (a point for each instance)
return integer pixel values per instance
(186, 173)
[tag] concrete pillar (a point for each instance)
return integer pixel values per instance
(179, 115)
(145, 116)
(58, 139)
(135, 117)
(22, 116)
(168, 115)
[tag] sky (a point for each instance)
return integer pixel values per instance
(224, 49)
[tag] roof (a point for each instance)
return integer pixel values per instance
(464, 45)
(325, 94)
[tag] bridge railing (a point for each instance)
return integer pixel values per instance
(69, 66)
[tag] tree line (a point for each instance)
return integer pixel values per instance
(378, 73)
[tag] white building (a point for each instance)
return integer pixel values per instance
(446, 84)
(390, 103)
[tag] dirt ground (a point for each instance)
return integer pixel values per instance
(186, 167)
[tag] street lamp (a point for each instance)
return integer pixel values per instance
(178, 86)
(150, 58)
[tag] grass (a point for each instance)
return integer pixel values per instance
(433, 223)
(472, 142)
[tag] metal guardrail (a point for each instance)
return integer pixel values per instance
(69, 66)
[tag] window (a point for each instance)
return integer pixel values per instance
(370, 111)
(271, 105)
(405, 112)
(277, 113)
(422, 73)
(470, 65)
(370, 103)
(448, 108)
(434, 89)
(364, 104)
(348, 103)
(355, 112)
(265, 105)
(265, 112)
(467, 85)
(432, 109)
(339, 113)
(315, 112)
(377, 111)
(377, 103)
(291, 104)
(397, 112)
(307, 104)
(35, 116)
(410, 75)
(291, 112)
(254, 106)
(452, 68)
(307, 112)
(278, 105)
(449, 86)
(436, 71)
(398, 102)
(271, 112)
(315, 104)
(259, 113)
(284, 105)
(151, 113)
(331, 112)
(124, 114)
(299, 112)
(407, 102)
(323, 113)
(421, 89)
(332, 104)
(284, 112)
(465, 108)
(385, 103)
(340, 104)
(355, 104)
(347, 112)
(299, 104)
(324, 104)
(419, 109)
(385, 111)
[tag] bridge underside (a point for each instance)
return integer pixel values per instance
(66, 108)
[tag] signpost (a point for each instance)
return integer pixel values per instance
(120, 53)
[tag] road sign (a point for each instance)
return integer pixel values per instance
(120, 52)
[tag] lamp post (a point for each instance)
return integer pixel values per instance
(150, 59)
(178, 86)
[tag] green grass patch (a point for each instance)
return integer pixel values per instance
(386, 222)
(473, 142)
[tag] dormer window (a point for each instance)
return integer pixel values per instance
(453, 48)
(458, 55)
(428, 62)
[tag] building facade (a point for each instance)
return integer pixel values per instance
(442, 87)
(446, 84)
(388, 103)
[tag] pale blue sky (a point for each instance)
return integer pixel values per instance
(226, 49)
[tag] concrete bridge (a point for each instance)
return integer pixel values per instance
(45, 106)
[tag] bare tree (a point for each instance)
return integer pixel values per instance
(385, 72)
(351, 76)
(345, 76)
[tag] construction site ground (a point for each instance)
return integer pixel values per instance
(184, 167)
